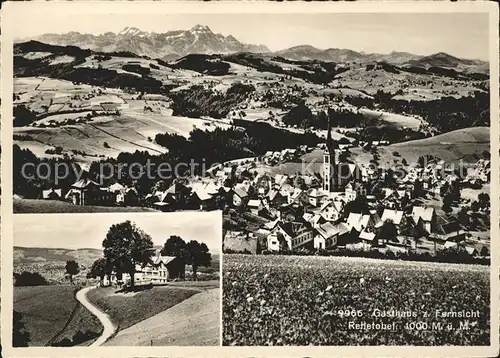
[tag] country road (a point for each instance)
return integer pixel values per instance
(109, 328)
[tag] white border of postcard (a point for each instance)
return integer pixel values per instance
(13, 11)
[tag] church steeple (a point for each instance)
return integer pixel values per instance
(331, 145)
(329, 133)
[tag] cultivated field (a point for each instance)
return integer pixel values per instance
(47, 313)
(291, 300)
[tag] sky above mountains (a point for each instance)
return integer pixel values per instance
(463, 35)
(76, 231)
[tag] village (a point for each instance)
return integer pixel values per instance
(412, 208)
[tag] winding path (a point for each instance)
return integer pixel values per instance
(109, 328)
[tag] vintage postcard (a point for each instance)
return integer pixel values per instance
(250, 179)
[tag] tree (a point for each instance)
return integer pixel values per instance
(447, 201)
(388, 231)
(100, 268)
(72, 269)
(484, 200)
(359, 205)
(175, 246)
(23, 116)
(192, 253)
(125, 246)
(474, 206)
(20, 336)
(29, 279)
(418, 188)
(484, 251)
(463, 217)
(199, 255)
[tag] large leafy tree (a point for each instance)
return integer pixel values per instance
(388, 231)
(125, 246)
(192, 253)
(199, 255)
(100, 268)
(72, 269)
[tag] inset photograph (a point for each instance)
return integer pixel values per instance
(117, 280)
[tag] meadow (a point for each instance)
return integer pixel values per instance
(127, 309)
(51, 313)
(291, 300)
(27, 206)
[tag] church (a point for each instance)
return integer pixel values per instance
(337, 171)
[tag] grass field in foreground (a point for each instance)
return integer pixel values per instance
(126, 309)
(193, 322)
(46, 309)
(55, 206)
(292, 300)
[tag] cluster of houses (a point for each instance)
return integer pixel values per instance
(89, 192)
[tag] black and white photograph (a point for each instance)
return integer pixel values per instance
(295, 175)
(117, 280)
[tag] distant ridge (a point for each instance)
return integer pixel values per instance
(201, 39)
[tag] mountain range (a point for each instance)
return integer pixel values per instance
(201, 39)
(168, 45)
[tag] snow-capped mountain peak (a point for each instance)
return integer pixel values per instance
(132, 31)
(201, 29)
(198, 39)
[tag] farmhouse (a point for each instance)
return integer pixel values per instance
(127, 196)
(88, 192)
(159, 270)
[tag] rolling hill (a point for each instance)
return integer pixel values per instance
(27, 255)
(451, 147)
(90, 105)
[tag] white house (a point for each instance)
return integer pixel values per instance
(426, 215)
(314, 197)
(360, 222)
(353, 191)
(326, 236)
(255, 206)
(240, 196)
(289, 235)
(332, 210)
